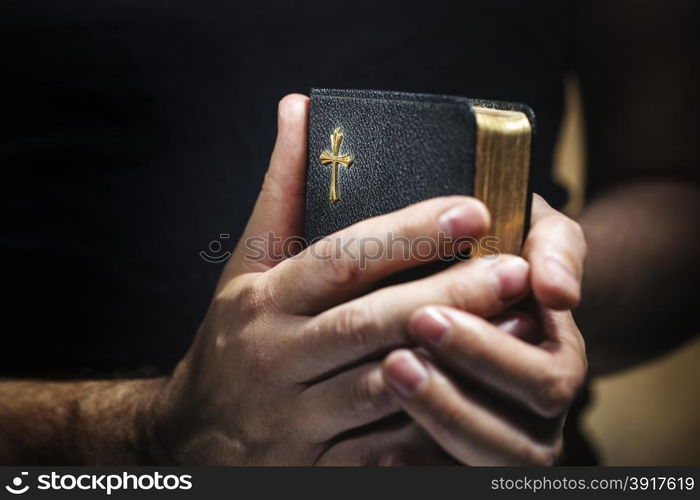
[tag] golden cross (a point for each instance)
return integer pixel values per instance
(333, 159)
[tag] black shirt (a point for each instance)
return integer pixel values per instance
(134, 133)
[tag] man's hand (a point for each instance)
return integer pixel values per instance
(498, 393)
(288, 357)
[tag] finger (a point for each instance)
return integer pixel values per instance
(348, 263)
(465, 429)
(544, 380)
(406, 445)
(560, 333)
(372, 325)
(348, 400)
(555, 247)
(278, 211)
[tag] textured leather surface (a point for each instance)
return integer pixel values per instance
(405, 147)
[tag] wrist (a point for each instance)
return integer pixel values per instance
(164, 424)
(151, 421)
(117, 421)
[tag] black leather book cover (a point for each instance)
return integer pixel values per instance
(388, 150)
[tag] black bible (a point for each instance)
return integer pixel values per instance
(372, 152)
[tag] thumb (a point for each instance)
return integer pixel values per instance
(279, 210)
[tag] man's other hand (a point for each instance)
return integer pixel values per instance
(497, 392)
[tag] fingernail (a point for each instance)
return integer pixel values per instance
(511, 276)
(406, 374)
(509, 325)
(519, 325)
(430, 325)
(562, 273)
(468, 219)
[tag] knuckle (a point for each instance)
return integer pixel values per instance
(356, 326)
(567, 227)
(369, 396)
(541, 456)
(583, 360)
(253, 297)
(468, 287)
(407, 225)
(577, 235)
(339, 269)
(577, 230)
(558, 390)
(257, 353)
(552, 224)
(557, 224)
(559, 228)
(460, 291)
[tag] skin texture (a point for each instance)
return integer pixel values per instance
(294, 355)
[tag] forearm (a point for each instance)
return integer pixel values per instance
(641, 274)
(87, 422)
